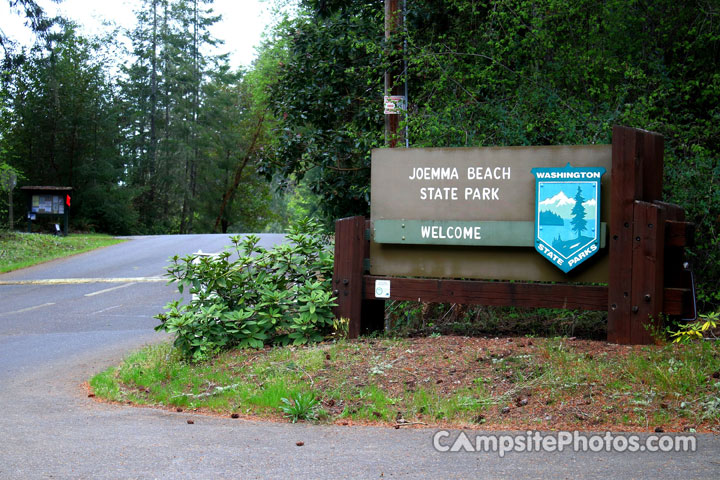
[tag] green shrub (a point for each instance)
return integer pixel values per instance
(705, 327)
(272, 296)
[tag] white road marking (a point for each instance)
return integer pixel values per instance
(77, 281)
(31, 308)
(106, 309)
(108, 289)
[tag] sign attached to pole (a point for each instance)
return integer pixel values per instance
(395, 104)
(567, 214)
(8, 180)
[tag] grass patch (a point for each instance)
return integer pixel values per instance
(20, 250)
(510, 383)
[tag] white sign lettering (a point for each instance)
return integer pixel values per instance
(474, 174)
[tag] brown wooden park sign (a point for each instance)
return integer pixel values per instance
(459, 226)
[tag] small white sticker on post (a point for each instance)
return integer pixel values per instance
(382, 288)
(395, 104)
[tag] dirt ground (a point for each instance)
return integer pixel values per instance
(511, 370)
(510, 384)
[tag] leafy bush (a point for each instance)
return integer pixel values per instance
(705, 327)
(263, 297)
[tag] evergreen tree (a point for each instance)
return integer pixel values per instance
(62, 129)
(190, 126)
(578, 212)
(39, 24)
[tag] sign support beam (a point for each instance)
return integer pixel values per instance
(637, 157)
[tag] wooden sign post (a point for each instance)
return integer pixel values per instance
(466, 247)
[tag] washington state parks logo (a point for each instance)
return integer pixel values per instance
(567, 214)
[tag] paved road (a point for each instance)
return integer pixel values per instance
(53, 337)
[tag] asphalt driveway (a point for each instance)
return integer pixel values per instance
(56, 335)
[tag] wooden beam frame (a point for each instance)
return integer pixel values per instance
(646, 279)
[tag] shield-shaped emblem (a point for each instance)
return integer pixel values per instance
(567, 214)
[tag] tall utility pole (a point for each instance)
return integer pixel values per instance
(395, 86)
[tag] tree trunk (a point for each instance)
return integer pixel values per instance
(238, 175)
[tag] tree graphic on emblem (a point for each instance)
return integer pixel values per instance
(578, 212)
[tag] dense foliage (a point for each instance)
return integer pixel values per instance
(260, 297)
(176, 141)
(326, 99)
(510, 72)
(62, 128)
(162, 143)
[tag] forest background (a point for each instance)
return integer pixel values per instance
(164, 138)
